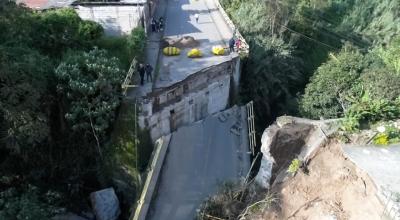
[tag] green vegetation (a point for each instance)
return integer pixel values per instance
(60, 92)
(381, 139)
(294, 166)
(388, 133)
(320, 58)
(27, 202)
(128, 154)
(125, 48)
(236, 201)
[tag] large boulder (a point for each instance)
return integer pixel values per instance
(105, 204)
(289, 138)
(265, 172)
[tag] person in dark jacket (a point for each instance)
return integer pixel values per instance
(232, 45)
(141, 73)
(149, 70)
(161, 24)
(153, 25)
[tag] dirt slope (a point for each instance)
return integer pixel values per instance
(333, 189)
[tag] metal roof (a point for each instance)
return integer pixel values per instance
(46, 4)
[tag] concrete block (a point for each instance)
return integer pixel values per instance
(105, 204)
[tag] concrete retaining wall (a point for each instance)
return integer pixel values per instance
(192, 99)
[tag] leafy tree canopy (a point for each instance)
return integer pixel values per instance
(89, 83)
(23, 93)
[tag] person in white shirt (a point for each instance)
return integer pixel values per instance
(196, 16)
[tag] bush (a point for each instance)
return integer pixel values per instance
(389, 134)
(90, 31)
(63, 29)
(325, 96)
(28, 203)
(381, 84)
(381, 139)
(136, 43)
(294, 166)
(125, 48)
(368, 111)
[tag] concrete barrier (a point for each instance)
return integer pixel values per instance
(152, 178)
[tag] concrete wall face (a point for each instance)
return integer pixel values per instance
(116, 20)
(188, 101)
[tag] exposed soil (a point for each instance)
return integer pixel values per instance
(287, 145)
(333, 188)
(184, 42)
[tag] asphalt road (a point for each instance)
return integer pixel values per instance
(211, 30)
(200, 158)
(381, 163)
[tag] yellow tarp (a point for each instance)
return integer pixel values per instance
(218, 50)
(171, 51)
(194, 53)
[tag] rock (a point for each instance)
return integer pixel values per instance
(268, 137)
(68, 216)
(289, 138)
(105, 204)
(265, 172)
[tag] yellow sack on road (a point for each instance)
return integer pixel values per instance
(171, 51)
(194, 53)
(218, 50)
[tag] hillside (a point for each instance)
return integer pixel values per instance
(319, 60)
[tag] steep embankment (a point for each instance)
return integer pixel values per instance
(325, 184)
(330, 187)
(304, 175)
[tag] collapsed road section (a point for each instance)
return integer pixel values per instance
(200, 158)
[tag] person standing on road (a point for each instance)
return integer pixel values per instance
(232, 45)
(238, 44)
(161, 24)
(153, 25)
(141, 73)
(149, 70)
(196, 16)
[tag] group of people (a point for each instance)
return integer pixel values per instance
(234, 43)
(145, 70)
(157, 25)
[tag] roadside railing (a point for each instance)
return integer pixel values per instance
(128, 79)
(251, 128)
(154, 169)
(244, 47)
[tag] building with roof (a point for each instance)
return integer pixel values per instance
(116, 17)
(46, 4)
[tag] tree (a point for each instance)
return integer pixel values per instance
(136, 43)
(391, 55)
(381, 84)
(63, 29)
(23, 93)
(325, 95)
(89, 31)
(89, 86)
(272, 78)
(17, 24)
(28, 203)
